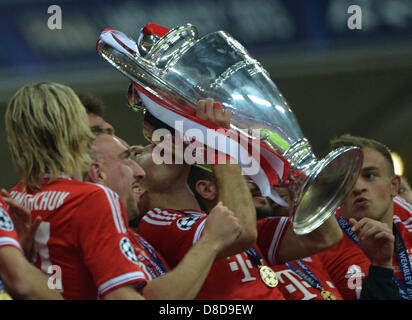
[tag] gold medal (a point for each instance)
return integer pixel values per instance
(327, 295)
(4, 295)
(269, 277)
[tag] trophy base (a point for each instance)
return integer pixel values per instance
(328, 184)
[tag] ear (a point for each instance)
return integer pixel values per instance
(395, 185)
(95, 173)
(206, 189)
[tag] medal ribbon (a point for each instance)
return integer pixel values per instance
(348, 230)
(255, 257)
(305, 274)
(267, 275)
(404, 263)
(161, 270)
(405, 290)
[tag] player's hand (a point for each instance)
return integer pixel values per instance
(21, 217)
(376, 240)
(213, 112)
(222, 226)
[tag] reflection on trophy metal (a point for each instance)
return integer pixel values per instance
(181, 68)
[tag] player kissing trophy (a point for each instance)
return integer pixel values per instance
(171, 70)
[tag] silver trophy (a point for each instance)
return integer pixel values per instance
(181, 68)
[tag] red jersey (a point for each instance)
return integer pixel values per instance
(84, 234)
(174, 232)
(8, 238)
(348, 265)
(270, 233)
(152, 263)
(8, 235)
(294, 287)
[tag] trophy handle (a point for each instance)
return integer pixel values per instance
(173, 44)
(123, 54)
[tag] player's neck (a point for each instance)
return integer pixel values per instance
(179, 197)
(387, 218)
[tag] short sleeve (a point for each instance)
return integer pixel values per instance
(171, 233)
(103, 237)
(8, 235)
(271, 231)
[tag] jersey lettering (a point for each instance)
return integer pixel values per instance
(354, 276)
(47, 200)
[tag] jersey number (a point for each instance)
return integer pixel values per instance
(41, 249)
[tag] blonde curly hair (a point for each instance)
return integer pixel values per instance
(47, 132)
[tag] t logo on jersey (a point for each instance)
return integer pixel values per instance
(128, 250)
(186, 223)
(5, 222)
(295, 283)
(244, 263)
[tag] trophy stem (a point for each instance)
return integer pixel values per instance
(301, 157)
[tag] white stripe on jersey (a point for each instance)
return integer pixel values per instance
(162, 215)
(283, 221)
(156, 222)
(199, 232)
(166, 213)
(138, 275)
(113, 199)
(119, 212)
(407, 223)
(7, 241)
(406, 205)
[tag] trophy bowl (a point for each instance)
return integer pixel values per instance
(180, 68)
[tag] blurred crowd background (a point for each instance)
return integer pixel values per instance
(336, 80)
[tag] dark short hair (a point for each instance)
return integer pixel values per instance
(198, 173)
(362, 142)
(93, 104)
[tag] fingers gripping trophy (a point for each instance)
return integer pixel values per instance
(171, 70)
